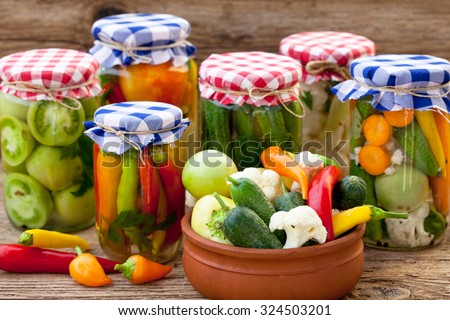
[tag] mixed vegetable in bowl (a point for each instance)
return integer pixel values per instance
(286, 204)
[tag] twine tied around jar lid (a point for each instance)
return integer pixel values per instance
(131, 50)
(318, 66)
(51, 92)
(261, 93)
(414, 91)
(122, 135)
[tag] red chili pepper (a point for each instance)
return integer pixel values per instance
(114, 93)
(149, 185)
(22, 259)
(170, 175)
(320, 196)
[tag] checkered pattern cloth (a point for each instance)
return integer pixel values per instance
(228, 78)
(141, 38)
(338, 47)
(43, 74)
(381, 75)
(141, 122)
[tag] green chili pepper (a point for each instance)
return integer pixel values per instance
(129, 181)
(435, 223)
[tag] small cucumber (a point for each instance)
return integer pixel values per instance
(288, 200)
(216, 122)
(244, 228)
(246, 193)
(349, 192)
(368, 179)
(272, 128)
(416, 147)
(293, 124)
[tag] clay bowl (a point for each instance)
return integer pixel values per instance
(326, 271)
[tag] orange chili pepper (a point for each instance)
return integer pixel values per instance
(138, 269)
(275, 159)
(85, 269)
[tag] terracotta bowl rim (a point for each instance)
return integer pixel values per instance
(315, 250)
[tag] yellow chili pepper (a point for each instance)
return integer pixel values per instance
(85, 269)
(52, 239)
(346, 220)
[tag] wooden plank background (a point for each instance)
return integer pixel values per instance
(414, 26)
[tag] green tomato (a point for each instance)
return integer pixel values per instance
(90, 105)
(53, 124)
(206, 172)
(17, 142)
(405, 190)
(21, 168)
(13, 106)
(28, 204)
(71, 210)
(52, 168)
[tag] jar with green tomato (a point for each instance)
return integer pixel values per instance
(399, 144)
(45, 96)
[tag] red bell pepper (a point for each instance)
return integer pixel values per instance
(149, 185)
(23, 259)
(320, 196)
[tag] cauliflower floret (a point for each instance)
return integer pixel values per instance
(310, 163)
(410, 232)
(397, 157)
(301, 224)
(268, 180)
(190, 200)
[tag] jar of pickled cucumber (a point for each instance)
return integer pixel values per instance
(46, 94)
(138, 187)
(146, 57)
(249, 101)
(400, 145)
(325, 57)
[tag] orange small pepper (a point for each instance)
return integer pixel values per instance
(85, 269)
(274, 158)
(138, 269)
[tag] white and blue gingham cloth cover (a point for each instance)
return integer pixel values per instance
(136, 116)
(399, 71)
(142, 30)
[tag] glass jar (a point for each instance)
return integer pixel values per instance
(399, 145)
(325, 56)
(47, 162)
(138, 187)
(146, 57)
(249, 101)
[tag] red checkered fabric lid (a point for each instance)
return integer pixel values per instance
(256, 78)
(48, 74)
(339, 48)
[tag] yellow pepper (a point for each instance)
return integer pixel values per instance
(52, 239)
(346, 220)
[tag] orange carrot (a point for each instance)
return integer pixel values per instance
(138, 269)
(275, 159)
(440, 186)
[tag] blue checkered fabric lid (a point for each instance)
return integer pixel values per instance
(399, 81)
(133, 38)
(119, 126)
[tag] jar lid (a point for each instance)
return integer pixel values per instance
(256, 78)
(49, 74)
(325, 55)
(132, 38)
(399, 81)
(118, 126)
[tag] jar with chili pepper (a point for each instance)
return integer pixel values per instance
(146, 57)
(325, 56)
(46, 94)
(139, 192)
(400, 145)
(250, 101)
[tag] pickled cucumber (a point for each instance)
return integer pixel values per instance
(416, 147)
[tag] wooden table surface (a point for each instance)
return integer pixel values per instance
(387, 275)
